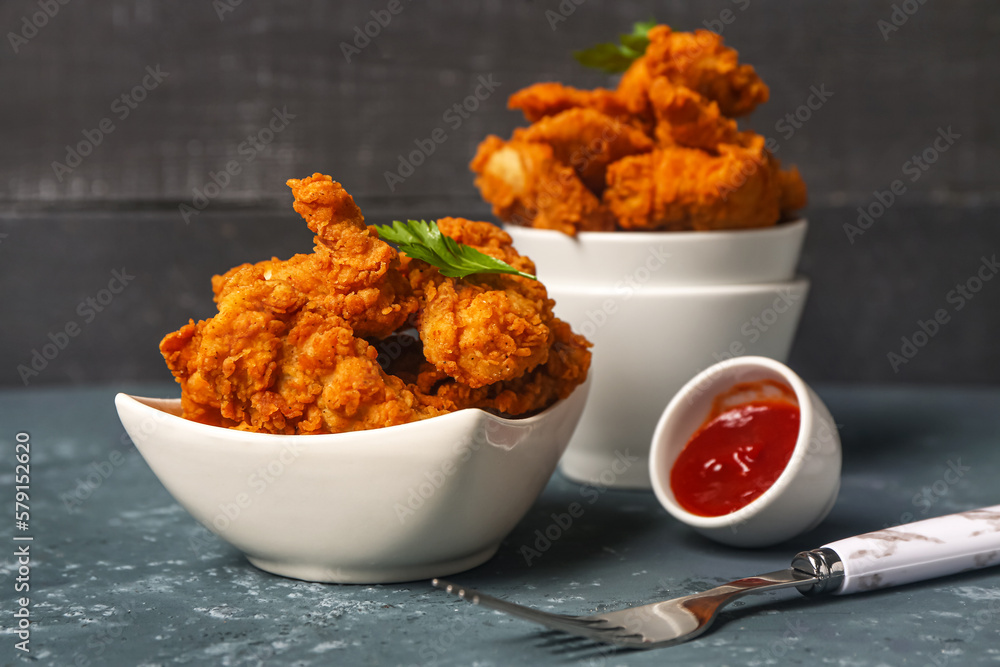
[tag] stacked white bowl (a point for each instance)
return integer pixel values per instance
(659, 308)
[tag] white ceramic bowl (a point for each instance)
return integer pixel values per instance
(807, 488)
(765, 255)
(414, 501)
(660, 307)
(647, 344)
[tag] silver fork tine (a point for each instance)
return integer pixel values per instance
(652, 625)
(577, 625)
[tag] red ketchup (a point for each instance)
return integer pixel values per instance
(735, 456)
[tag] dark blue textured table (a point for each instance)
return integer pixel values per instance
(120, 574)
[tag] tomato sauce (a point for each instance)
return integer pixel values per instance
(737, 454)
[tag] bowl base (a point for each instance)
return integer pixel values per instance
(606, 470)
(329, 574)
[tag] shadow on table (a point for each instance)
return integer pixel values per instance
(578, 526)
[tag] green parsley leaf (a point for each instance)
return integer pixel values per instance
(423, 240)
(639, 39)
(613, 58)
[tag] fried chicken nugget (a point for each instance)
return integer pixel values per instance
(528, 185)
(684, 188)
(354, 392)
(352, 271)
(685, 118)
(549, 98)
(358, 269)
(492, 340)
(588, 141)
(484, 328)
(253, 368)
(566, 367)
(697, 60)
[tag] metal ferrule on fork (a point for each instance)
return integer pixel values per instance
(825, 565)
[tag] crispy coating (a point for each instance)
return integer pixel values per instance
(351, 272)
(525, 381)
(685, 118)
(680, 98)
(688, 189)
(793, 189)
(633, 89)
(588, 141)
(308, 373)
(284, 353)
(527, 185)
(291, 347)
(566, 367)
(700, 61)
(548, 99)
(484, 328)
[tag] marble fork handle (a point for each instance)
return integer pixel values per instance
(906, 553)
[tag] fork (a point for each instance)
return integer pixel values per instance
(889, 557)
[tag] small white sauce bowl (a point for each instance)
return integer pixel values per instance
(802, 495)
(414, 501)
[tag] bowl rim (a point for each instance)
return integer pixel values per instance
(787, 227)
(348, 438)
(694, 289)
(800, 453)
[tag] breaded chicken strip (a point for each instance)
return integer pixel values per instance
(484, 328)
(548, 99)
(588, 141)
(254, 368)
(355, 393)
(489, 342)
(683, 188)
(566, 367)
(685, 118)
(633, 90)
(697, 60)
(352, 273)
(528, 185)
